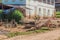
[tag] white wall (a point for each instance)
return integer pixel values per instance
(35, 5)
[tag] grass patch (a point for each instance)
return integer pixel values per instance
(57, 14)
(42, 30)
(18, 33)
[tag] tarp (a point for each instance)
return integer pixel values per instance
(6, 9)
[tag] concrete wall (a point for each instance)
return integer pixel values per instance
(47, 10)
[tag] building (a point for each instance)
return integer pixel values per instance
(41, 8)
(57, 5)
(15, 3)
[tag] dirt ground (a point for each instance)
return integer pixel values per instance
(51, 35)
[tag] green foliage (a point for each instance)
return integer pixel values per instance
(1, 14)
(1, 11)
(45, 28)
(16, 14)
(28, 32)
(58, 14)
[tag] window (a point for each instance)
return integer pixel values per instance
(52, 2)
(48, 12)
(40, 0)
(44, 12)
(39, 9)
(56, 0)
(48, 1)
(39, 12)
(44, 1)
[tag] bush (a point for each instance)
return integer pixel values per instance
(58, 14)
(16, 14)
(1, 11)
(1, 14)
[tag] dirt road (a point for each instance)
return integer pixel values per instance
(51, 35)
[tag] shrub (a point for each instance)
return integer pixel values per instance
(1, 14)
(57, 14)
(17, 15)
(1, 11)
